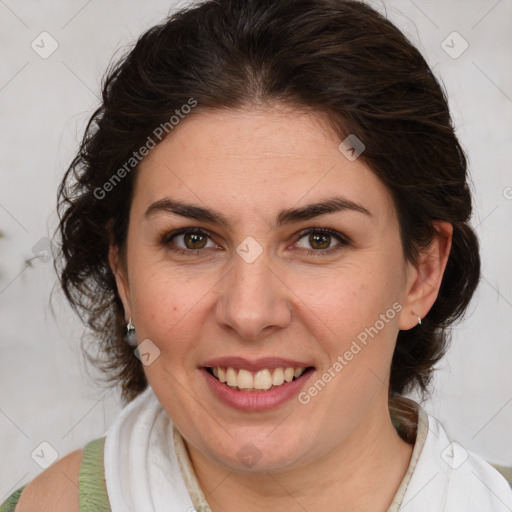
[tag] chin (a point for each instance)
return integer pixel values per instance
(250, 459)
(254, 452)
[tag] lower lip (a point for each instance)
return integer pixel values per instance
(255, 400)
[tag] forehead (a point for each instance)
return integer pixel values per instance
(256, 160)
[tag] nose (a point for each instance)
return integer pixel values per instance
(254, 299)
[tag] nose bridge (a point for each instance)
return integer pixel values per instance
(253, 298)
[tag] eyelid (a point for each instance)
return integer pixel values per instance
(332, 232)
(167, 236)
(343, 240)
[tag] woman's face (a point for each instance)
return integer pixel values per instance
(267, 282)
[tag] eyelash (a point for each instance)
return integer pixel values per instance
(344, 241)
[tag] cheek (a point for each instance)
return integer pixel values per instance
(167, 305)
(348, 299)
(359, 312)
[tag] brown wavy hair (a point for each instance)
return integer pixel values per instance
(340, 58)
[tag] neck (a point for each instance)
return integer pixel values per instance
(362, 473)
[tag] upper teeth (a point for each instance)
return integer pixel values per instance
(262, 379)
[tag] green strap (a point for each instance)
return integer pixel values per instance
(91, 481)
(10, 503)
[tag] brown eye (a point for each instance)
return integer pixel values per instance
(194, 240)
(187, 240)
(321, 239)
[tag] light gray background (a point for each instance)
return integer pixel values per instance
(45, 393)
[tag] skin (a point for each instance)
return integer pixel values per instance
(55, 489)
(340, 452)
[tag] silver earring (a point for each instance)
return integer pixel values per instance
(419, 321)
(130, 334)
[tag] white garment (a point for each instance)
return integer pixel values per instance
(448, 478)
(143, 475)
(141, 468)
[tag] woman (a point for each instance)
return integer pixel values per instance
(271, 203)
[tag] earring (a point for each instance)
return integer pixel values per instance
(418, 317)
(130, 334)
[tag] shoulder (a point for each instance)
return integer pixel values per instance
(55, 489)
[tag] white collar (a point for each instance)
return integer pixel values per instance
(449, 478)
(143, 474)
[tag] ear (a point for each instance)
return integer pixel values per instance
(121, 279)
(424, 278)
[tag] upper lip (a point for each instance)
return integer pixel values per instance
(255, 364)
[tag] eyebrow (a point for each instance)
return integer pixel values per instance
(288, 216)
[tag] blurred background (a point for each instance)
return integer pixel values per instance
(53, 56)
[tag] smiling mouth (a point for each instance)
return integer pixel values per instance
(265, 379)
